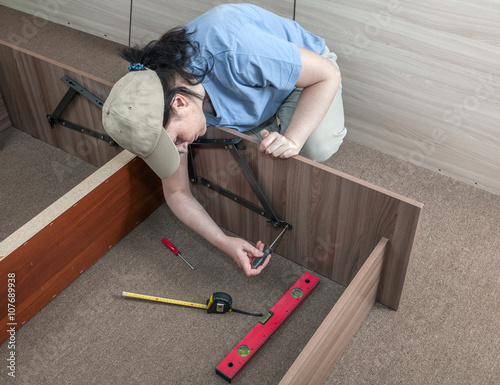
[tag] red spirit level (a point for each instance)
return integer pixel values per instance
(263, 331)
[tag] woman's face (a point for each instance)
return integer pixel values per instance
(186, 123)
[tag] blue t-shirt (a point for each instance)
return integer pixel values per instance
(256, 61)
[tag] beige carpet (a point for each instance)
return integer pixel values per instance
(447, 330)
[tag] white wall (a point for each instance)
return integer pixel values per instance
(151, 18)
(109, 19)
(421, 78)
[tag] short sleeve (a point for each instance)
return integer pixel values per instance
(264, 60)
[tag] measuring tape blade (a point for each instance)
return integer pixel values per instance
(166, 300)
(263, 331)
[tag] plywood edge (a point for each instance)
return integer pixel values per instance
(335, 172)
(44, 218)
(325, 347)
(56, 255)
(56, 63)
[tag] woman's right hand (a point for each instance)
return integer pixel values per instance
(243, 254)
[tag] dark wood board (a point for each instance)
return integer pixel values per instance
(337, 219)
(32, 88)
(55, 256)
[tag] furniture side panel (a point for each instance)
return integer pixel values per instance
(56, 255)
(325, 347)
(32, 88)
(4, 115)
(337, 221)
(398, 255)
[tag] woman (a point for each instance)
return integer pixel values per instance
(237, 66)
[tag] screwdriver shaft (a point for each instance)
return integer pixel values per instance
(174, 250)
(267, 250)
(179, 254)
(278, 237)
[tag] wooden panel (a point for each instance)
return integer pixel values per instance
(151, 18)
(31, 87)
(109, 19)
(420, 80)
(56, 255)
(337, 219)
(325, 347)
(4, 116)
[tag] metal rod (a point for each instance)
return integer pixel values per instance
(278, 237)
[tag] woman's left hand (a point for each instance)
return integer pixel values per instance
(277, 145)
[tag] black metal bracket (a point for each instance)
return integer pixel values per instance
(75, 88)
(234, 145)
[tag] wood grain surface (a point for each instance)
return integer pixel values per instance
(325, 347)
(32, 88)
(421, 80)
(151, 18)
(4, 116)
(337, 219)
(109, 19)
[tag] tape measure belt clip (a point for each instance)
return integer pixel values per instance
(219, 303)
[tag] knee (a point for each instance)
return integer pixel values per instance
(320, 151)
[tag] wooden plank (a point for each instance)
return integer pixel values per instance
(4, 115)
(55, 256)
(108, 19)
(420, 80)
(337, 219)
(152, 18)
(405, 227)
(325, 347)
(31, 87)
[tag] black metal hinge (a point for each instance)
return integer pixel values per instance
(234, 145)
(75, 88)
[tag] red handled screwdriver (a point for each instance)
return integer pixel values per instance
(171, 246)
(267, 250)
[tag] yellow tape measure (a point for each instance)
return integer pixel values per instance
(217, 303)
(167, 300)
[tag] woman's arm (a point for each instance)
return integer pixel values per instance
(320, 81)
(182, 203)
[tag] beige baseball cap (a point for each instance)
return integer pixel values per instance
(133, 116)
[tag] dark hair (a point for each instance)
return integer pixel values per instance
(169, 56)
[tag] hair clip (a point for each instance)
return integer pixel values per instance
(136, 67)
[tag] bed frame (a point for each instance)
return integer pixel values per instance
(345, 229)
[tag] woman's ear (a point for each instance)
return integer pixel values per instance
(179, 101)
